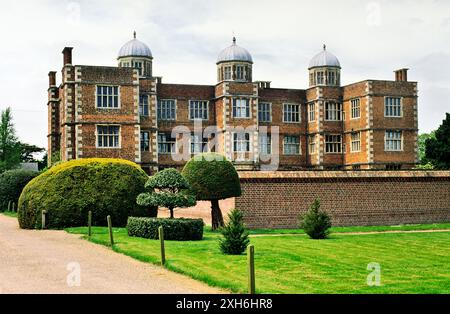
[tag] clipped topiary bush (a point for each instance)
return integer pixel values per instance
(180, 229)
(67, 192)
(12, 183)
(212, 178)
(235, 237)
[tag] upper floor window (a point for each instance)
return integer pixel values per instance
(199, 144)
(145, 141)
(239, 72)
(107, 96)
(333, 143)
(265, 144)
(143, 105)
(393, 141)
(227, 73)
(355, 108)
(166, 143)
(291, 113)
(166, 109)
(241, 142)
(241, 108)
(320, 78)
(333, 111)
(264, 112)
(108, 136)
(355, 142)
(312, 112)
(198, 110)
(291, 145)
(392, 107)
(138, 65)
(331, 78)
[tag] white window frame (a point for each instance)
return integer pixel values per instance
(235, 107)
(320, 78)
(107, 95)
(270, 111)
(237, 140)
(334, 144)
(400, 107)
(108, 147)
(207, 109)
(354, 109)
(299, 145)
(355, 142)
(338, 112)
(140, 140)
(292, 105)
(204, 144)
(158, 103)
(240, 69)
(267, 144)
(168, 136)
(312, 144)
(227, 73)
(148, 106)
(312, 114)
(386, 139)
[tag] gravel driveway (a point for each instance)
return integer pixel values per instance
(49, 261)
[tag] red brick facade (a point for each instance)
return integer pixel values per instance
(352, 198)
(74, 118)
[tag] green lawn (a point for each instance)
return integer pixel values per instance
(410, 263)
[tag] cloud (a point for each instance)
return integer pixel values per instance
(370, 38)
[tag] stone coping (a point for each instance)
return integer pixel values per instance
(343, 174)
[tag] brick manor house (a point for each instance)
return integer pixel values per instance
(126, 112)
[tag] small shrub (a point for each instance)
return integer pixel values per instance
(235, 237)
(12, 183)
(316, 223)
(180, 229)
(69, 190)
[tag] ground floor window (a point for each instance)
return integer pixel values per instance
(356, 142)
(241, 142)
(145, 141)
(199, 144)
(108, 136)
(291, 145)
(333, 143)
(265, 144)
(393, 141)
(166, 143)
(312, 144)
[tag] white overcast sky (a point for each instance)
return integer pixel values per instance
(370, 38)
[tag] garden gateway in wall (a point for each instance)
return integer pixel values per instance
(352, 198)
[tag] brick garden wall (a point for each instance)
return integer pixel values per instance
(275, 199)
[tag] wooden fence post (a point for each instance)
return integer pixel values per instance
(111, 238)
(161, 240)
(89, 223)
(251, 269)
(43, 217)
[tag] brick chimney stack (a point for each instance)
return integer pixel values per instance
(52, 78)
(401, 75)
(67, 53)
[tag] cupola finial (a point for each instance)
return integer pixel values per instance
(134, 34)
(234, 40)
(324, 47)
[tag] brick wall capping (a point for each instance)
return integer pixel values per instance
(342, 174)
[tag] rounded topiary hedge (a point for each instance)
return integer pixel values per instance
(180, 229)
(70, 189)
(12, 183)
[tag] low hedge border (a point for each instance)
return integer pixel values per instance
(181, 229)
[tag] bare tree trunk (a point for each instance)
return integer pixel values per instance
(216, 215)
(171, 212)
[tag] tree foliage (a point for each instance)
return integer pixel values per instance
(316, 223)
(10, 151)
(212, 177)
(437, 148)
(167, 188)
(235, 237)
